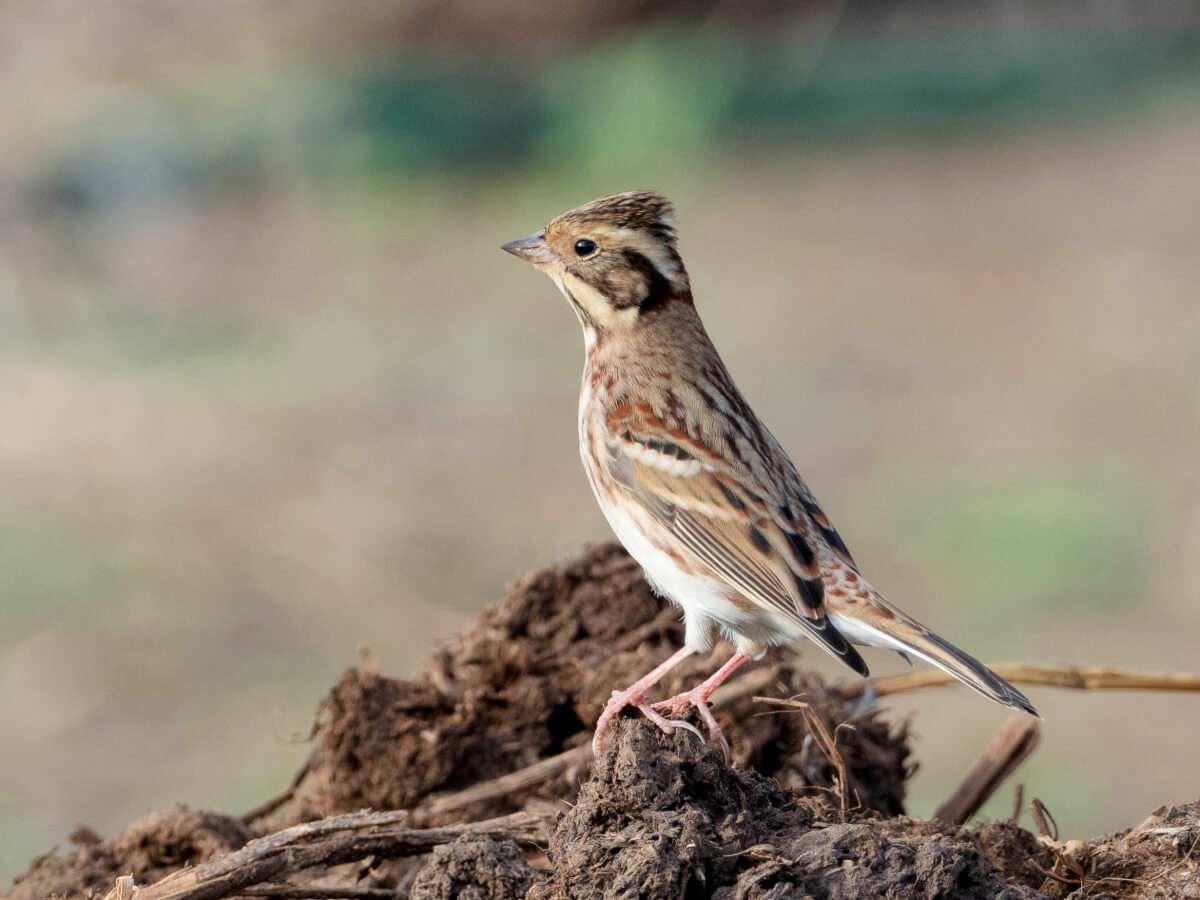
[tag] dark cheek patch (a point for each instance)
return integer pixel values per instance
(628, 279)
(652, 287)
(624, 288)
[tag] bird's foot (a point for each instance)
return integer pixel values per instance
(635, 695)
(697, 697)
(637, 699)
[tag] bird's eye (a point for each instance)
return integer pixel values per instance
(585, 247)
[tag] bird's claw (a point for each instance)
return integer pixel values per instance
(676, 724)
(621, 699)
(671, 725)
(698, 700)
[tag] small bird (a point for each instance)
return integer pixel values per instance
(693, 484)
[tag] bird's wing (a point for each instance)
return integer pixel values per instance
(828, 533)
(739, 529)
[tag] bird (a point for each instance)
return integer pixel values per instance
(693, 484)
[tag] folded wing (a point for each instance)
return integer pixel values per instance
(728, 523)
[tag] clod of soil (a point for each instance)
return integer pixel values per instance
(1157, 860)
(475, 870)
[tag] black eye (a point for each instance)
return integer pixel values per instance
(585, 247)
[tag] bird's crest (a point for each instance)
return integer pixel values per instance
(634, 210)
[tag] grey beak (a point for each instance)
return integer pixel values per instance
(532, 249)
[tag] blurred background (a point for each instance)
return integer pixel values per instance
(270, 391)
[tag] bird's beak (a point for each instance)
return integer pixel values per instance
(532, 249)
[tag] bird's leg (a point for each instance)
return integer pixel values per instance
(698, 697)
(635, 695)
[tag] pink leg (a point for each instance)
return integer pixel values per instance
(698, 697)
(635, 695)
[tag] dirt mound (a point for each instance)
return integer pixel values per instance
(529, 679)
(663, 817)
(1157, 860)
(485, 746)
(153, 846)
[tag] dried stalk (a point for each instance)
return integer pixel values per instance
(267, 807)
(1082, 678)
(512, 783)
(828, 743)
(326, 842)
(1017, 738)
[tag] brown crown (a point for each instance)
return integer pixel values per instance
(638, 210)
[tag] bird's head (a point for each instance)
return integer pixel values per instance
(613, 258)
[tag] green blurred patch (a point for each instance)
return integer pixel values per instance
(954, 81)
(49, 562)
(1074, 794)
(1034, 545)
(437, 114)
(25, 831)
(642, 102)
(646, 102)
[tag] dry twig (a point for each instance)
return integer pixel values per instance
(337, 839)
(1041, 816)
(828, 743)
(1018, 802)
(511, 783)
(1017, 738)
(267, 807)
(1082, 678)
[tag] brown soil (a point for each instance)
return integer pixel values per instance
(150, 848)
(658, 816)
(521, 684)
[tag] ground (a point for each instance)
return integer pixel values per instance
(656, 816)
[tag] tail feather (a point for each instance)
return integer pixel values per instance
(832, 641)
(968, 670)
(908, 636)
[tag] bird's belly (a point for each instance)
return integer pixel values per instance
(704, 599)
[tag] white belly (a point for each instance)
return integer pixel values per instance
(704, 600)
(700, 596)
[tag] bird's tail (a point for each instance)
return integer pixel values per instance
(911, 637)
(967, 669)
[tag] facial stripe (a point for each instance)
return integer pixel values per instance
(657, 288)
(583, 314)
